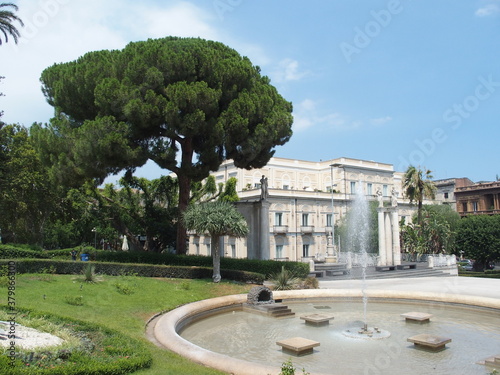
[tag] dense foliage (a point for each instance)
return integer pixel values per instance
(478, 237)
(186, 104)
(435, 235)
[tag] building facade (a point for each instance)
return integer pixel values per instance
(304, 201)
(478, 199)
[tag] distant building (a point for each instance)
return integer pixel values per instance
(478, 199)
(446, 190)
(303, 201)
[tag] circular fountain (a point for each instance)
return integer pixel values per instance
(219, 334)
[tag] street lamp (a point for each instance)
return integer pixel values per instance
(95, 237)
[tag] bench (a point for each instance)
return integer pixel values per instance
(385, 268)
(317, 273)
(337, 272)
(331, 269)
(407, 266)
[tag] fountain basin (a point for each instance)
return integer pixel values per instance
(169, 325)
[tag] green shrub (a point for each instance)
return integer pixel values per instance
(74, 300)
(101, 351)
(15, 252)
(89, 273)
(124, 289)
(284, 280)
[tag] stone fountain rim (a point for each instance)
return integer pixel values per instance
(169, 324)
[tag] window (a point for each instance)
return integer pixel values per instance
(305, 250)
(197, 246)
(279, 251)
(329, 220)
(474, 206)
(305, 220)
(285, 187)
(353, 187)
(369, 189)
(445, 195)
(209, 249)
(464, 206)
(385, 190)
(233, 250)
(278, 219)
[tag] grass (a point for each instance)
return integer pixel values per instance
(105, 304)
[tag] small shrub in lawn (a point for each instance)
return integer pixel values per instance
(309, 283)
(89, 273)
(186, 285)
(124, 289)
(74, 300)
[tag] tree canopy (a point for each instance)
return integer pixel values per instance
(186, 104)
(218, 218)
(417, 185)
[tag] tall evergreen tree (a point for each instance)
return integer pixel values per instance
(186, 104)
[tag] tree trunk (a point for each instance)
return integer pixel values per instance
(184, 190)
(216, 258)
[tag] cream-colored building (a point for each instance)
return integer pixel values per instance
(297, 211)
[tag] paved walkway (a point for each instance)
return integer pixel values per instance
(473, 286)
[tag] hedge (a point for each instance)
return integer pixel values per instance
(264, 267)
(101, 351)
(13, 252)
(63, 267)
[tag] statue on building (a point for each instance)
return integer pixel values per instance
(264, 192)
(380, 198)
(394, 198)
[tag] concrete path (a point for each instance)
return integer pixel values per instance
(473, 286)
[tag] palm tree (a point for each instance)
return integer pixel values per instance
(218, 218)
(7, 19)
(417, 185)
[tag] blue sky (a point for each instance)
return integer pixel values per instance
(398, 81)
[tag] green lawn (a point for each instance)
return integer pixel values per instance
(123, 303)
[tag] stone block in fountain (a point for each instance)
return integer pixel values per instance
(417, 317)
(317, 319)
(298, 345)
(431, 342)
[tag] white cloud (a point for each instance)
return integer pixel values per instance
(380, 120)
(288, 70)
(488, 10)
(307, 116)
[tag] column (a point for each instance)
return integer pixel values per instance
(381, 238)
(396, 246)
(264, 242)
(388, 238)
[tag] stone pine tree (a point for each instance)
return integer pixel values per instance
(218, 218)
(186, 104)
